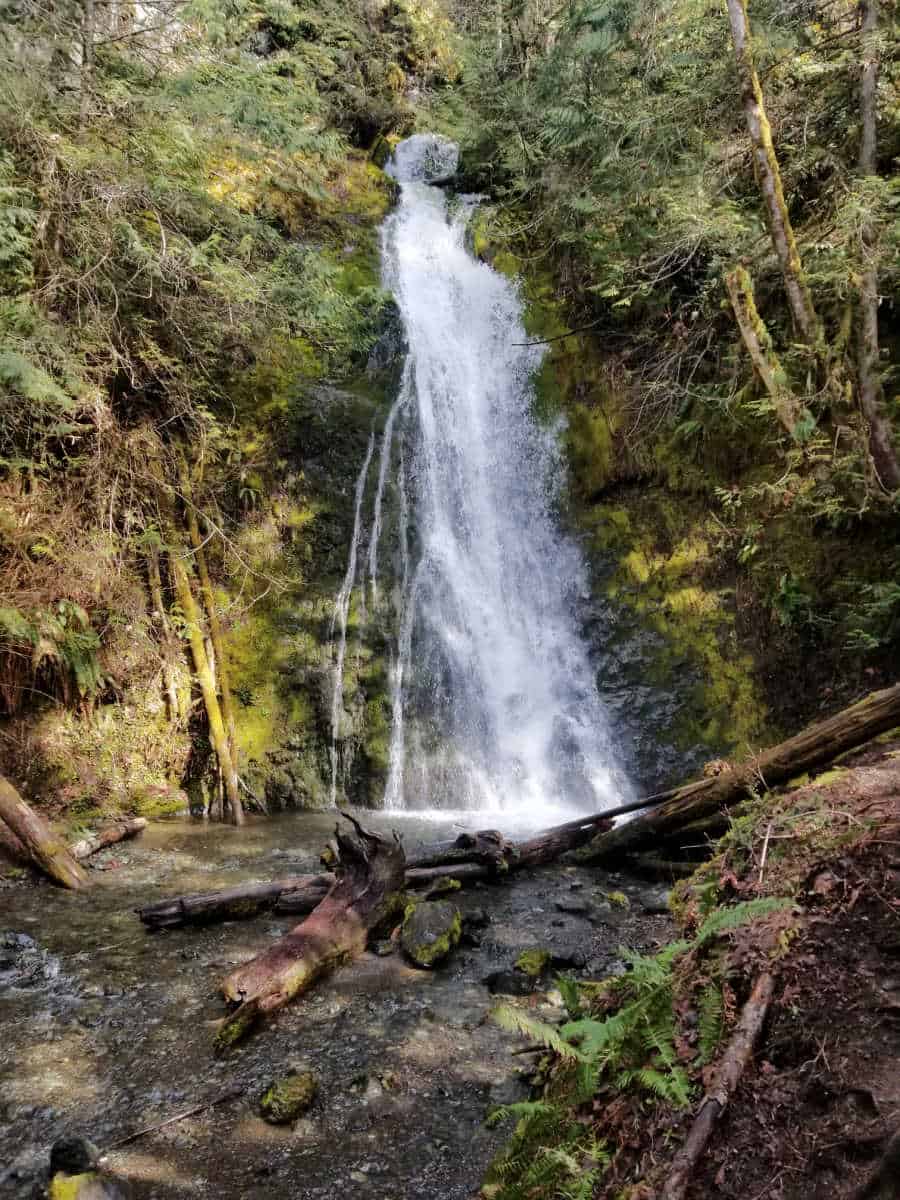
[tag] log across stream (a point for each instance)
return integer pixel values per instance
(116, 1034)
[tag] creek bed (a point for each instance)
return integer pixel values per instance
(108, 1028)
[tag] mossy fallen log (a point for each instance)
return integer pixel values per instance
(45, 849)
(814, 747)
(368, 889)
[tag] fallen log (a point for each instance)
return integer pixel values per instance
(235, 903)
(734, 1062)
(487, 847)
(44, 848)
(368, 889)
(494, 858)
(107, 837)
(813, 747)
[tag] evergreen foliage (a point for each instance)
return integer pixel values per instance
(634, 1047)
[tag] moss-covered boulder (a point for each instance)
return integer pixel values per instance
(288, 1098)
(534, 962)
(430, 931)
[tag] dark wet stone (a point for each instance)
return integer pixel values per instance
(73, 1154)
(509, 983)
(656, 901)
(568, 956)
(476, 918)
(383, 948)
(575, 906)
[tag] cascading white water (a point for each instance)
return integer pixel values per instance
(494, 703)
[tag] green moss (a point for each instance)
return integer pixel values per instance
(533, 962)
(158, 800)
(618, 899)
(287, 1099)
(433, 948)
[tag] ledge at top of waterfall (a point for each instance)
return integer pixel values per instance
(424, 158)
(494, 700)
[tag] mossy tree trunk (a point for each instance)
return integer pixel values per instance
(813, 747)
(48, 851)
(758, 343)
(209, 601)
(217, 731)
(884, 458)
(768, 175)
(154, 576)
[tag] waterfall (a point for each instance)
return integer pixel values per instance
(493, 697)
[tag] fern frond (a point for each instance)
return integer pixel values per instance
(516, 1021)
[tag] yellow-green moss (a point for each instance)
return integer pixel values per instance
(289, 1098)
(618, 899)
(533, 962)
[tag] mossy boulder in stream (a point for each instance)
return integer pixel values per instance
(430, 931)
(534, 962)
(288, 1098)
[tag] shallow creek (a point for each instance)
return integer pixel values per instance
(107, 1029)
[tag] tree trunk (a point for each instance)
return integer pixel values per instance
(758, 343)
(168, 641)
(734, 1062)
(48, 851)
(769, 178)
(88, 21)
(209, 600)
(814, 747)
(244, 900)
(217, 732)
(881, 447)
(367, 891)
(107, 837)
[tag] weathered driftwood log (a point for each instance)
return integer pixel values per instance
(498, 855)
(302, 893)
(89, 845)
(367, 890)
(728, 1074)
(488, 847)
(244, 900)
(814, 747)
(44, 848)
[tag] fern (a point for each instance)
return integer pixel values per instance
(516, 1021)
(710, 1024)
(723, 920)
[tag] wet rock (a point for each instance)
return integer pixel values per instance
(508, 1091)
(575, 906)
(656, 901)
(430, 931)
(568, 956)
(383, 948)
(288, 1098)
(73, 1154)
(509, 983)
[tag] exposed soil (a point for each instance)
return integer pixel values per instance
(813, 1119)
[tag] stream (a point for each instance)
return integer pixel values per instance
(108, 1029)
